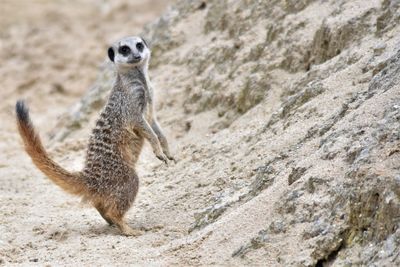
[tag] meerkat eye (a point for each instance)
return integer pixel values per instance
(124, 50)
(139, 46)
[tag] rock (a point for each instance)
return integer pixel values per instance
(255, 243)
(293, 107)
(296, 174)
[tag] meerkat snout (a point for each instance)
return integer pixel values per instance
(129, 52)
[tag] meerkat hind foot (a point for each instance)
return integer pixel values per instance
(129, 231)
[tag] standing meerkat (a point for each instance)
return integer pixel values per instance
(109, 180)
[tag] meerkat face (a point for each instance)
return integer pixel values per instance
(129, 52)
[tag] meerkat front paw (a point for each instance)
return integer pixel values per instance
(171, 158)
(163, 158)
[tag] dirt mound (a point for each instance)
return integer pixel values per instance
(284, 116)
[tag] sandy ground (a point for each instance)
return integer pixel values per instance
(238, 195)
(50, 54)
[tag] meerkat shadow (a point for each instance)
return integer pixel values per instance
(109, 230)
(101, 229)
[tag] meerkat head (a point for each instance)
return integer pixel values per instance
(129, 52)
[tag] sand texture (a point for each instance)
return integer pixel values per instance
(284, 117)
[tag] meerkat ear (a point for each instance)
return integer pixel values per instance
(111, 54)
(145, 42)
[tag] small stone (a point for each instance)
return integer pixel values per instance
(296, 174)
(378, 49)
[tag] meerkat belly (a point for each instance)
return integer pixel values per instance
(131, 146)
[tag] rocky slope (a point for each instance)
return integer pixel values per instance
(285, 118)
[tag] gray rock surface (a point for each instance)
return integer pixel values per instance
(288, 118)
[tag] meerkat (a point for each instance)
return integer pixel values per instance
(108, 180)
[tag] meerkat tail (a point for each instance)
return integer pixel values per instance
(70, 182)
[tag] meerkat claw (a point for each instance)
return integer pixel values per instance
(163, 158)
(171, 158)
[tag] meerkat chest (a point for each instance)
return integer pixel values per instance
(148, 112)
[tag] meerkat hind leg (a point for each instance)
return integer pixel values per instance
(102, 212)
(118, 220)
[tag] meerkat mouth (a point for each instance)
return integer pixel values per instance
(134, 60)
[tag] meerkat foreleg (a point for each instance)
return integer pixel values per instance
(144, 128)
(163, 141)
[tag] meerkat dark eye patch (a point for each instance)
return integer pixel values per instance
(111, 54)
(124, 50)
(139, 46)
